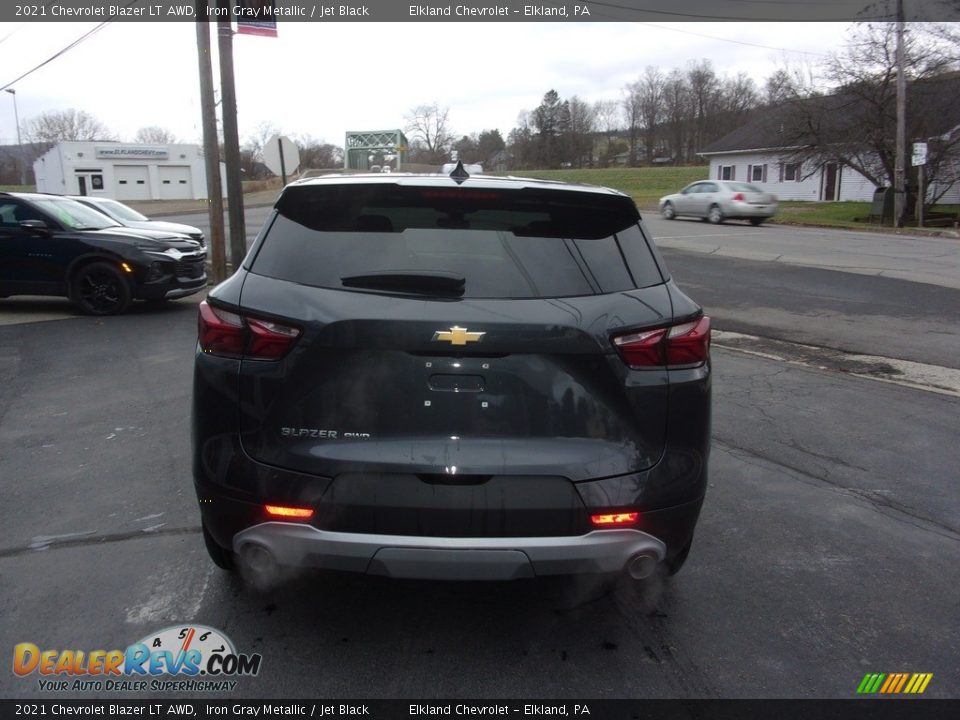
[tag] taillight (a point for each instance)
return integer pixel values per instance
(226, 333)
(290, 513)
(619, 519)
(683, 345)
(739, 197)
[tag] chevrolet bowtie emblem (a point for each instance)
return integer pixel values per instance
(458, 336)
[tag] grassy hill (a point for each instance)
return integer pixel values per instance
(645, 185)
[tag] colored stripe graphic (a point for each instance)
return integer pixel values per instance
(894, 683)
(870, 683)
(903, 680)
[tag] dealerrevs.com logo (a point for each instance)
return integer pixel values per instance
(200, 658)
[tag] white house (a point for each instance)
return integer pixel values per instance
(123, 171)
(770, 149)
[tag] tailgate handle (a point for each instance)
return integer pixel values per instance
(456, 383)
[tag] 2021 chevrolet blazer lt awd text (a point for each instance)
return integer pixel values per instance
(453, 377)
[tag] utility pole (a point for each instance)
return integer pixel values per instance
(231, 140)
(899, 174)
(211, 151)
(16, 117)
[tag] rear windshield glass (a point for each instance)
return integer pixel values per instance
(527, 243)
(743, 187)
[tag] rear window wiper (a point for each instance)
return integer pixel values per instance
(425, 282)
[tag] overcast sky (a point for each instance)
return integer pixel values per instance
(324, 79)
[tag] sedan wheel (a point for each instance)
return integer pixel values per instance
(756, 221)
(668, 212)
(100, 289)
(715, 215)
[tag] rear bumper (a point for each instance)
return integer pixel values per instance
(435, 558)
(745, 210)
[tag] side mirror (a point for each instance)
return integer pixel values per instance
(38, 226)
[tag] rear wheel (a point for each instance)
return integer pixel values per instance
(673, 565)
(221, 557)
(715, 215)
(100, 289)
(668, 212)
(756, 222)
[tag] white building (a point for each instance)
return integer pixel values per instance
(789, 180)
(765, 150)
(123, 171)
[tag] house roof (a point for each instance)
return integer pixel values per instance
(933, 108)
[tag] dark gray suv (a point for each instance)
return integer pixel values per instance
(453, 377)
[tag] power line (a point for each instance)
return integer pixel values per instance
(730, 40)
(59, 53)
(69, 47)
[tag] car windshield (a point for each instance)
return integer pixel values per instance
(74, 215)
(121, 212)
(743, 187)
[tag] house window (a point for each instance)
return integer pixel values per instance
(791, 172)
(758, 173)
(727, 172)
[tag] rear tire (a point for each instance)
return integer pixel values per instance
(674, 564)
(221, 557)
(668, 212)
(100, 289)
(757, 222)
(715, 215)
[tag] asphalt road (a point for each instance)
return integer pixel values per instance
(828, 546)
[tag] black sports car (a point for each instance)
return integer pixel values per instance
(451, 377)
(51, 245)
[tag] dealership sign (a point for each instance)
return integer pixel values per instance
(133, 151)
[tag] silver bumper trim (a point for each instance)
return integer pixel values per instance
(441, 558)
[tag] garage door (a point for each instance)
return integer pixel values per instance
(175, 182)
(133, 182)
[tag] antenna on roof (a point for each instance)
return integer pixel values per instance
(459, 174)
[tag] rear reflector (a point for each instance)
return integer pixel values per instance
(228, 334)
(683, 345)
(615, 519)
(293, 513)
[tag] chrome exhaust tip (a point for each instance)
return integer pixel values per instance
(641, 566)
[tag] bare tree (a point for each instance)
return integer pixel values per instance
(704, 91)
(154, 134)
(632, 113)
(430, 133)
(607, 113)
(580, 129)
(317, 154)
(66, 125)
(251, 152)
(855, 125)
(676, 112)
(521, 143)
(651, 89)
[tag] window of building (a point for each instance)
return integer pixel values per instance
(727, 172)
(791, 172)
(757, 173)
